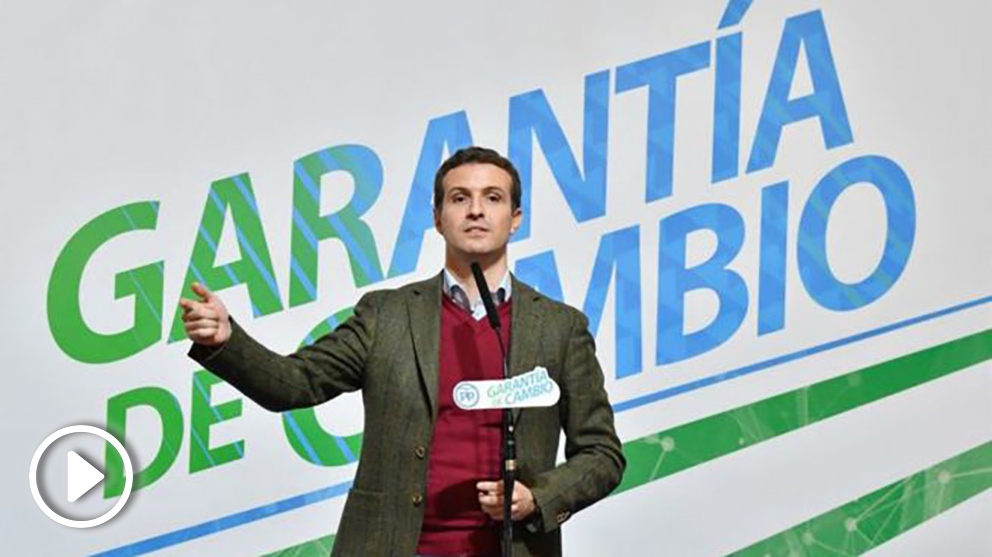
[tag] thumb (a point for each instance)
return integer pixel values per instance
(202, 291)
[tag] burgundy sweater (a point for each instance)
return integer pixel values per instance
(466, 445)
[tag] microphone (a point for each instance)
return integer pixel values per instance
(509, 472)
(487, 296)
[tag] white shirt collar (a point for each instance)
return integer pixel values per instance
(459, 294)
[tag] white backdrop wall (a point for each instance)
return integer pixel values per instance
(768, 210)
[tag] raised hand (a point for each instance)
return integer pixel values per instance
(207, 321)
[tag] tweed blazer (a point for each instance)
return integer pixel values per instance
(389, 349)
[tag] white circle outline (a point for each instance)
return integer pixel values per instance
(33, 476)
(463, 387)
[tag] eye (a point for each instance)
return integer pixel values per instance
(494, 197)
(458, 198)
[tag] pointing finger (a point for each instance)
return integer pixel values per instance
(202, 291)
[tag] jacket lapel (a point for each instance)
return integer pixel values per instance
(525, 330)
(424, 308)
(524, 327)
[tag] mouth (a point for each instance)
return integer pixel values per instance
(476, 230)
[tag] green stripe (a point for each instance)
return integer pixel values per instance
(674, 450)
(871, 520)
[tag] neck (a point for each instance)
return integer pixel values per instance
(494, 268)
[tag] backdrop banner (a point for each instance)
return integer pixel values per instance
(775, 215)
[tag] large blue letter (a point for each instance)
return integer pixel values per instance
(540, 271)
(825, 102)
(449, 131)
(900, 212)
(659, 73)
(530, 112)
(675, 280)
(620, 250)
(771, 269)
(727, 108)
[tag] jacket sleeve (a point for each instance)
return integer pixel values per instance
(332, 365)
(594, 459)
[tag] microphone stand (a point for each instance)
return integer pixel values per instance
(509, 460)
(509, 471)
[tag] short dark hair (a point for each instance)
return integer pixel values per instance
(477, 155)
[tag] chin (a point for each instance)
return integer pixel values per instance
(476, 250)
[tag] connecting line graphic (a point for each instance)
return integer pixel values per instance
(265, 511)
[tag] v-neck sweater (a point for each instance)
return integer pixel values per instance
(466, 444)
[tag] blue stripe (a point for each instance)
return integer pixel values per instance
(130, 222)
(217, 417)
(790, 357)
(262, 268)
(137, 284)
(307, 181)
(345, 449)
(354, 249)
(210, 241)
(304, 228)
(302, 277)
(246, 194)
(198, 275)
(259, 513)
(217, 201)
(230, 274)
(203, 447)
(144, 296)
(302, 438)
(225, 523)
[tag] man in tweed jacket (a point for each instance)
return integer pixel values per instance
(390, 350)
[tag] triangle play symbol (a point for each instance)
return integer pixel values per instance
(82, 476)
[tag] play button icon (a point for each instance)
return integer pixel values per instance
(81, 476)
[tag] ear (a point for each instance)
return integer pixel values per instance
(518, 217)
(437, 221)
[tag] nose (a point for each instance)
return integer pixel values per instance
(475, 208)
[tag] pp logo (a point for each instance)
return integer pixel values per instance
(466, 395)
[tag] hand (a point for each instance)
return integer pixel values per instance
(491, 500)
(207, 321)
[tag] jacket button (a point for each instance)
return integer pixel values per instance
(417, 500)
(420, 451)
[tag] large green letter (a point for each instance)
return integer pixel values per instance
(254, 269)
(202, 417)
(65, 319)
(305, 434)
(310, 227)
(167, 406)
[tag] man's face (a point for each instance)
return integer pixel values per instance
(475, 217)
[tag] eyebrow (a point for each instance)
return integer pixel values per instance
(485, 189)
